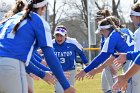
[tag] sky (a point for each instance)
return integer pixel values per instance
(125, 5)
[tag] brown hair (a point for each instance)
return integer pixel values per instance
(104, 13)
(114, 21)
(26, 15)
(136, 7)
(15, 9)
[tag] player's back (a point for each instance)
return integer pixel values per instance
(20, 44)
(117, 42)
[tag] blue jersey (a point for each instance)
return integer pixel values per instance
(113, 43)
(66, 53)
(24, 44)
(36, 67)
(31, 34)
(135, 55)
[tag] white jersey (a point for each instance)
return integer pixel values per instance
(137, 40)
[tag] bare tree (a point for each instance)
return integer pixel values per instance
(85, 12)
(114, 7)
(135, 1)
(55, 18)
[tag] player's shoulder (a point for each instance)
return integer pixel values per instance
(115, 33)
(36, 18)
(137, 31)
(53, 41)
(39, 22)
(74, 42)
(71, 40)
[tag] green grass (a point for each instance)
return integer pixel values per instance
(85, 86)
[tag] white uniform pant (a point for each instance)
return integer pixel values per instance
(30, 83)
(12, 76)
(58, 87)
(106, 80)
(125, 67)
(134, 84)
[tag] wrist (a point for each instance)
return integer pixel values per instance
(125, 78)
(86, 64)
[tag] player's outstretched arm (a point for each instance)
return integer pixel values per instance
(70, 90)
(122, 80)
(55, 67)
(80, 75)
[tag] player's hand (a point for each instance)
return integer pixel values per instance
(39, 51)
(49, 78)
(44, 62)
(80, 75)
(67, 75)
(120, 84)
(91, 74)
(70, 90)
(113, 70)
(30, 90)
(120, 60)
(34, 76)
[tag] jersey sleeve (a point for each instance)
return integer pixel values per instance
(55, 66)
(131, 55)
(110, 43)
(37, 57)
(79, 50)
(137, 60)
(39, 65)
(42, 31)
(97, 61)
(31, 68)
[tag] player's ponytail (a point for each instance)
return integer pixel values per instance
(107, 13)
(116, 25)
(101, 14)
(26, 15)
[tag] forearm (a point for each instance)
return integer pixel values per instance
(97, 61)
(37, 57)
(39, 65)
(131, 71)
(31, 68)
(83, 57)
(109, 61)
(131, 55)
(55, 66)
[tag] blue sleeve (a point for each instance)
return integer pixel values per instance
(97, 61)
(131, 55)
(39, 65)
(111, 42)
(31, 68)
(137, 60)
(82, 55)
(55, 66)
(37, 57)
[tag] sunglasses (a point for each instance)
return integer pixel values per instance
(62, 27)
(61, 30)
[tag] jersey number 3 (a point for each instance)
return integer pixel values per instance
(62, 60)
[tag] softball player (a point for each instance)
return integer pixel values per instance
(135, 16)
(18, 7)
(65, 49)
(115, 41)
(19, 36)
(108, 72)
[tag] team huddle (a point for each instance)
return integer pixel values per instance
(25, 35)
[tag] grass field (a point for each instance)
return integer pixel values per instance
(85, 86)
